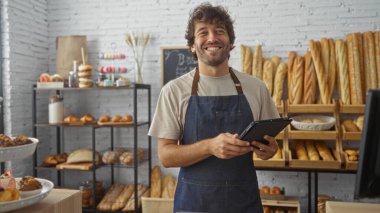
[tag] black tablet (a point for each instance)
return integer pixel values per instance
(257, 129)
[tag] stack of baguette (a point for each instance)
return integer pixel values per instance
(309, 150)
(162, 188)
(121, 197)
(329, 67)
(272, 71)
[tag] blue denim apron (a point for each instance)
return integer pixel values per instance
(217, 185)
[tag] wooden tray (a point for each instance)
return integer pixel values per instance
(114, 123)
(312, 135)
(77, 123)
(76, 166)
(271, 162)
(318, 164)
(350, 165)
(350, 136)
(352, 109)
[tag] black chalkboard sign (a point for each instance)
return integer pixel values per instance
(175, 61)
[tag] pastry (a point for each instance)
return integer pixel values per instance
(104, 118)
(29, 183)
(116, 118)
(8, 194)
(275, 190)
(71, 119)
(265, 190)
(21, 140)
(7, 181)
(85, 83)
(110, 157)
(127, 118)
(342, 66)
(87, 119)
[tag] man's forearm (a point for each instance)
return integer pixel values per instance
(173, 155)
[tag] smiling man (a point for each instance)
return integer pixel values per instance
(199, 116)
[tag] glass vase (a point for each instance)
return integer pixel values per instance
(138, 77)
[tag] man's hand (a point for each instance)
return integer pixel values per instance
(265, 151)
(226, 146)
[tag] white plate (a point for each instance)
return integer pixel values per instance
(18, 152)
(27, 201)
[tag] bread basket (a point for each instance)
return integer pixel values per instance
(325, 122)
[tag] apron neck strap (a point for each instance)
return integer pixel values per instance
(194, 87)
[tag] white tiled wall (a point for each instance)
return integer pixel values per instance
(29, 30)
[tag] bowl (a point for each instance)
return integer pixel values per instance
(313, 122)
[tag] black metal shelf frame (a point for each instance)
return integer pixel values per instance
(135, 125)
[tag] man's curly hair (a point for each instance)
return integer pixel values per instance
(209, 14)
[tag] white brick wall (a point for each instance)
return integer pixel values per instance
(30, 29)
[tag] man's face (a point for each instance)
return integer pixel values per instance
(211, 43)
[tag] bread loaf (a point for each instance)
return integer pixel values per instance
(291, 58)
(359, 39)
(301, 151)
(82, 156)
(278, 85)
(311, 151)
(142, 190)
(168, 187)
(310, 80)
(354, 70)
(331, 74)
(298, 75)
(324, 151)
(369, 61)
(343, 80)
(325, 55)
(268, 75)
(257, 65)
(122, 198)
(246, 56)
(276, 61)
(377, 57)
(349, 126)
(155, 182)
(359, 122)
(242, 55)
(321, 75)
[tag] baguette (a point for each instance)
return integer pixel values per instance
(276, 61)
(301, 151)
(377, 57)
(246, 59)
(331, 75)
(242, 55)
(291, 57)
(279, 80)
(311, 151)
(354, 70)
(369, 61)
(350, 126)
(257, 65)
(325, 55)
(343, 80)
(168, 187)
(321, 76)
(359, 39)
(123, 197)
(142, 190)
(155, 183)
(268, 75)
(309, 83)
(324, 151)
(298, 75)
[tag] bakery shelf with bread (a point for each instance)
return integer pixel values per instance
(288, 205)
(79, 158)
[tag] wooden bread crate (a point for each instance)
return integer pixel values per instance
(271, 162)
(289, 203)
(157, 205)
(350, 165)
(351, 109)
(317, 164)
(350, 136)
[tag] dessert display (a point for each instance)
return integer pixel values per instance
(6, 141)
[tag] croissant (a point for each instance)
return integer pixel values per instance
(104, 118)
(87, 118)
(70, 119)
(116, 118)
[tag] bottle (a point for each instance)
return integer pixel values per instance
(55, 109)
(75, 74)
(71, 79)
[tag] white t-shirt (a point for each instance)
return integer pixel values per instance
(169, 118)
